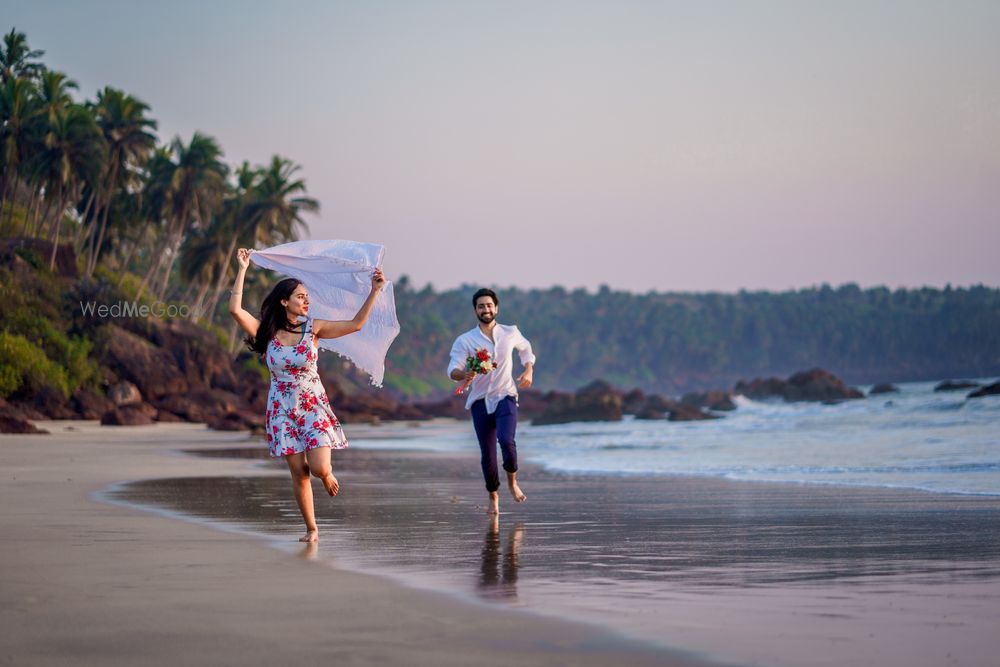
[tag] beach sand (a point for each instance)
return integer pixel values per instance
(86, 582)
(740, 573)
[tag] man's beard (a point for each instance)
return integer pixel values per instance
(486, 318)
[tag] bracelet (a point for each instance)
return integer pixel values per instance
(235, 293)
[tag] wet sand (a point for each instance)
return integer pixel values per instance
(89, 580)
(744, 573)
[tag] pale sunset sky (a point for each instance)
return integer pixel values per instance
(644, 145)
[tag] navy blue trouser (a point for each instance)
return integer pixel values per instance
(492, 428)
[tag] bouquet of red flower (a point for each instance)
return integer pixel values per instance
(480, 363)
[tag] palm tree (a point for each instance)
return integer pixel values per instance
(270, 213)
(197, 185)
(130, 140)
(153, 199)
(16, 59)
(199, 259)
(48, 120)
(18, 106)
(74, 153)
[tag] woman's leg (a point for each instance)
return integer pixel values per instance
(302, 487)
(319, 464)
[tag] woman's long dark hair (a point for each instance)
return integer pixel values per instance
(272, 316)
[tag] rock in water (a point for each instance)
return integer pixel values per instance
(988, 390)
(597, 401)
(713, 400)
(883, 388)
(955, 385)
(812, 385)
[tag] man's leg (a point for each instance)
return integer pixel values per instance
(506, 425)
(486, 432)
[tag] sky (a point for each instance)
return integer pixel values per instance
(669, 146)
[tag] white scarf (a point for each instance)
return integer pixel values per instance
(338, 275)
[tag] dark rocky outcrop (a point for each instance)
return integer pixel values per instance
(132, 414)
(712, 400)
(657, 407)
(12, 424)
(883, 388)
(453, 408)
(988, 390)
(123, 393)
(198, 356)
(14, 420)
(152, 369)
(955, 385)
(633, 402)
(201, 405)
(90, 404)
(812, 385)
(593, 403)
(599, 401)
(168, 417)
(238, 420)
(49, 403)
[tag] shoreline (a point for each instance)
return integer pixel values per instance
(716, 567)
(97, 583)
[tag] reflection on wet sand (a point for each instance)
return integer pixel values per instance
(309, 551)
(498, 575)
(779, 571)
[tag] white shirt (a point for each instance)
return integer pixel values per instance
(498, 383)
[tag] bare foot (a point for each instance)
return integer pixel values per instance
(331, 484)
(515, 491)
(494, 506)
(310, 536)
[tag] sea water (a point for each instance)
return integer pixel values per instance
(915, 438)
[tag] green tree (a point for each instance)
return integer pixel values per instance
(18, 108)
(269, 212)
(17, 59)
(128, 133)
(74, 152)
(194, 193)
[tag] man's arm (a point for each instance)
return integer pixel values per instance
(527, 357)
(456, 366)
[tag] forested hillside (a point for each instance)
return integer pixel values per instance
(672, 342)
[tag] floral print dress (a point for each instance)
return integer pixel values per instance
(299, 417)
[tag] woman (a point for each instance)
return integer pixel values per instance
(299, 423)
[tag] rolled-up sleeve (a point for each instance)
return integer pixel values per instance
(523, 348)
(458, 356)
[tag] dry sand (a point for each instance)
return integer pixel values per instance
(86, 582)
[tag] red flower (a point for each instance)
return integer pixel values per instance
(483, 355)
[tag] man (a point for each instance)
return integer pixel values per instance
(493, 396)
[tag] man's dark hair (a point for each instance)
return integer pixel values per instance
(485, 292)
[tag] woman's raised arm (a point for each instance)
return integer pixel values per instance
(336, 329)
(247, 322)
